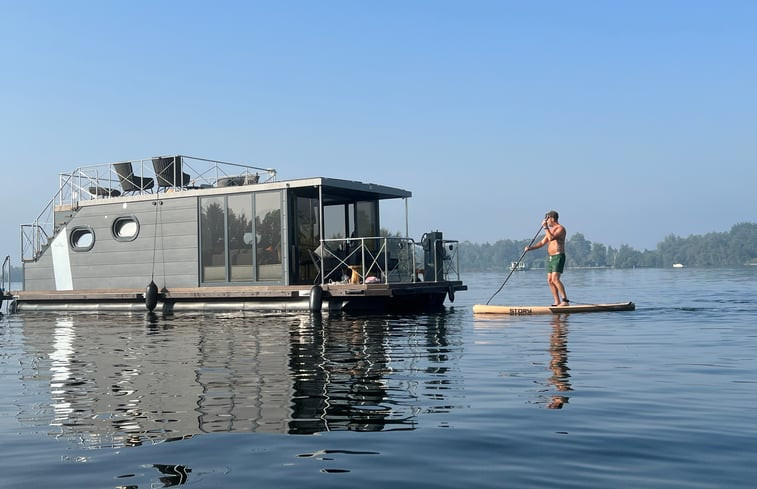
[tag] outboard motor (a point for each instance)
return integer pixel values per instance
(433, 256)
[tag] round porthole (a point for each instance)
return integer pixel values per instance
(125, 228)
(82, 239)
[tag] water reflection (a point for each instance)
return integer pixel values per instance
(345, 388)
(170, 476)
(558, 363)
(173, 475)
(116, 381)
(60, 369)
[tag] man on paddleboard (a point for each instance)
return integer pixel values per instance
(554, 238)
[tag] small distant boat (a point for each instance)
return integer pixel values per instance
(517, 266)
(531, 310)
(677, 265)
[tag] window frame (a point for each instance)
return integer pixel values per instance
(120, 219)
(76, 234)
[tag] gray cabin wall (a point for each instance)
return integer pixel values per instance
(165, 248)
(39, 275)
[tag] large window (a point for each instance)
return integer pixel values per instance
(240, 238)
(308, 237)
(213, 239)
(358, 219)
(336, 221)
(366, 219)
(268, 234)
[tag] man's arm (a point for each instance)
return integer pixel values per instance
(541, 243)
(556, 232)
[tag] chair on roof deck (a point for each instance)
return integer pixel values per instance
(169, 173)
(97, 191)
(131, 182)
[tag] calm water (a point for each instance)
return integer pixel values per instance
(661, 397)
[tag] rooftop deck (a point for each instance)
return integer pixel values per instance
(135, 177)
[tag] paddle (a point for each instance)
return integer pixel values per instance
(513, 268)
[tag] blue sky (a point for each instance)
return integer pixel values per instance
(633, 119)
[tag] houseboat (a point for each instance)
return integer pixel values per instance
(179, 233)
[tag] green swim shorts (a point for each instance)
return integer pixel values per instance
(556, 263)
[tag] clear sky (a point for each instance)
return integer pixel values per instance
(634, 119)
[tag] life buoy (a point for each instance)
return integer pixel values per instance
(316, 298)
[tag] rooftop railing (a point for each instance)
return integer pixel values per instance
(167, 173)
(133, 177)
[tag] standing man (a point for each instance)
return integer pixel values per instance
(554, 236)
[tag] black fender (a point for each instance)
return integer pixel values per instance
(316, 298)
(151, 296)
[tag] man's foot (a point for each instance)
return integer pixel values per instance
(565, 302)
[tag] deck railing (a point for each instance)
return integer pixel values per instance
(384, 260)
(446, 260)
(5, 276)
(103, 182)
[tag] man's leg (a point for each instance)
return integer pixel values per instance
(559, 287)
(553, 288)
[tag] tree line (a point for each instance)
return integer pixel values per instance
(735, 248)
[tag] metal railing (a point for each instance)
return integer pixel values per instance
(5, 275)
(446, 259)
(103, 182)
(367, 260)
(384, 260)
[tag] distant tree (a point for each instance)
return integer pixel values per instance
(742, 245)
(578, 250)
(649, 259)
(598, 255)
(627, 257)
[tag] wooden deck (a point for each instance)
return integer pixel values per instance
(243, 297)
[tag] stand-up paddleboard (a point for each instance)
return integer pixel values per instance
(529, 310)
